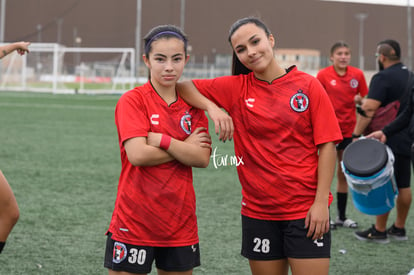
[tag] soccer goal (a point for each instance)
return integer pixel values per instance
(50, 67)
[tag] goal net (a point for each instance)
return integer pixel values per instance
(50, 67)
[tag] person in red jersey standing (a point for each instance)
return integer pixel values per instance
(285, 130)
(346, 87)
(160, 138)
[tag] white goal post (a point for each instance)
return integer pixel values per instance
(50, 67)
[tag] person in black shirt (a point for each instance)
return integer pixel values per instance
(405, 120)
(387, 86)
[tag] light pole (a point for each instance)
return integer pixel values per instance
(409, 37)
(39, 40)
(3, 20)
(361, 17)
(138, 39)
(59, 23)
(182, 15)
(2, 24)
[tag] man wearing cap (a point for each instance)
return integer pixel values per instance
(389, 85)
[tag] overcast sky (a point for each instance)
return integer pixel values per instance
(379, 2)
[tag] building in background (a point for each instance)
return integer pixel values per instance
(304, 24)
(304, 29)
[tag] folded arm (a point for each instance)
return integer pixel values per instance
(223, 123)
(193, 151)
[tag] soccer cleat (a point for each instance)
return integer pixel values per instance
(397, 233)
(332, 225)
(346, 223)
(373, 235)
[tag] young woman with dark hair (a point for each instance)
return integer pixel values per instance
(160, 138)
(285, 129)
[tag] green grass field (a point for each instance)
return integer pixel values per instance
(60, 155)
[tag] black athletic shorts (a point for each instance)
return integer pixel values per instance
(412, 154)
(345, 142)
(274, 240)
(138, 259)
(402, 170)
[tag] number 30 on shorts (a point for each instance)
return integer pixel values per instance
(137, 256)
(261, 245)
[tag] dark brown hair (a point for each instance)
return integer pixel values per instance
(337, 45)
(237, 67)
(164, 31)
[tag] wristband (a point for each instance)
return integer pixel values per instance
(361, 112)
(165, 142)
(356, 136)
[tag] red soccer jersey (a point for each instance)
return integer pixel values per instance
(342, 90)
(278, 126)
(155, 205)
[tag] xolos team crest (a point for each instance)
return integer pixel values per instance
(299, 102)
(186, 123)
(119, 253)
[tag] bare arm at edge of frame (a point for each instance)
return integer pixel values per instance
(9, 210)
(21, 48)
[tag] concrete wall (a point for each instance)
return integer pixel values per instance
(297, 24)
